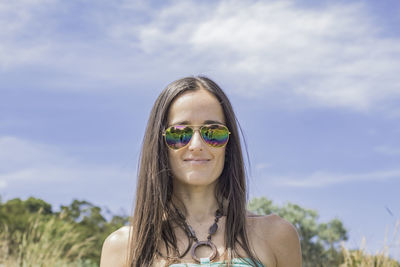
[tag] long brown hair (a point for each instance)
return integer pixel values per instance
(154, 213)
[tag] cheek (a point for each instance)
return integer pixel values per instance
(174, 162)
(220, 161)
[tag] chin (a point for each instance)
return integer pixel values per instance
(199, 180)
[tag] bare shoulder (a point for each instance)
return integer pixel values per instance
(115, 248)
(281, 237)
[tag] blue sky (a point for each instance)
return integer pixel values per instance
(315, 88)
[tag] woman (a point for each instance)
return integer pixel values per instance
(191, 192)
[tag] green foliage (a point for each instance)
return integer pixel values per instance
(31, 234)
(71, 237)
(47, 241)
(319, 241)
(15, 212)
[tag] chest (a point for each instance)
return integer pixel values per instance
(259, 245)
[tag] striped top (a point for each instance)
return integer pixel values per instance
(205, 262)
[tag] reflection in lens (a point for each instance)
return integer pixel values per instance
(215, 135)
(178, 136)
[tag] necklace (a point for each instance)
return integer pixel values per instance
(208, 243)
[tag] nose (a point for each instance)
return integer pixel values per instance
(196, 143)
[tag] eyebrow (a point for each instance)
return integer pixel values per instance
(204, 122)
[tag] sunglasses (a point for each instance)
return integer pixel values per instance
(214, 135)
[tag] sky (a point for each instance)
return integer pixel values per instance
(315, 87)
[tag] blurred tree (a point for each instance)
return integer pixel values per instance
(16, 218)
(91, 223)
(319, 242)
(16, 212)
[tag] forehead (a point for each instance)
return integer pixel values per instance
(195, 107)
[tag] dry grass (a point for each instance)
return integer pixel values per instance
(46, 242)
(360, 258)
(55, 242)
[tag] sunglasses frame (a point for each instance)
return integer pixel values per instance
(196, 128)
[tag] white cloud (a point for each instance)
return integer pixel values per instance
(26, 161)
(323, 179)
(329, 56)
(387, 150)
(333, 56)
(3, 184)
(262, 166)
(18, 46)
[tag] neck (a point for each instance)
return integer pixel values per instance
(199, 201)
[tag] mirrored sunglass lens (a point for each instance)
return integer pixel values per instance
(215, 135)
(178, 136)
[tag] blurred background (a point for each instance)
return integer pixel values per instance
(315, 86)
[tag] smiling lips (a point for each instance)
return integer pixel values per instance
(196, 161)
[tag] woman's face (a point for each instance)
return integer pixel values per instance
(197, 163)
